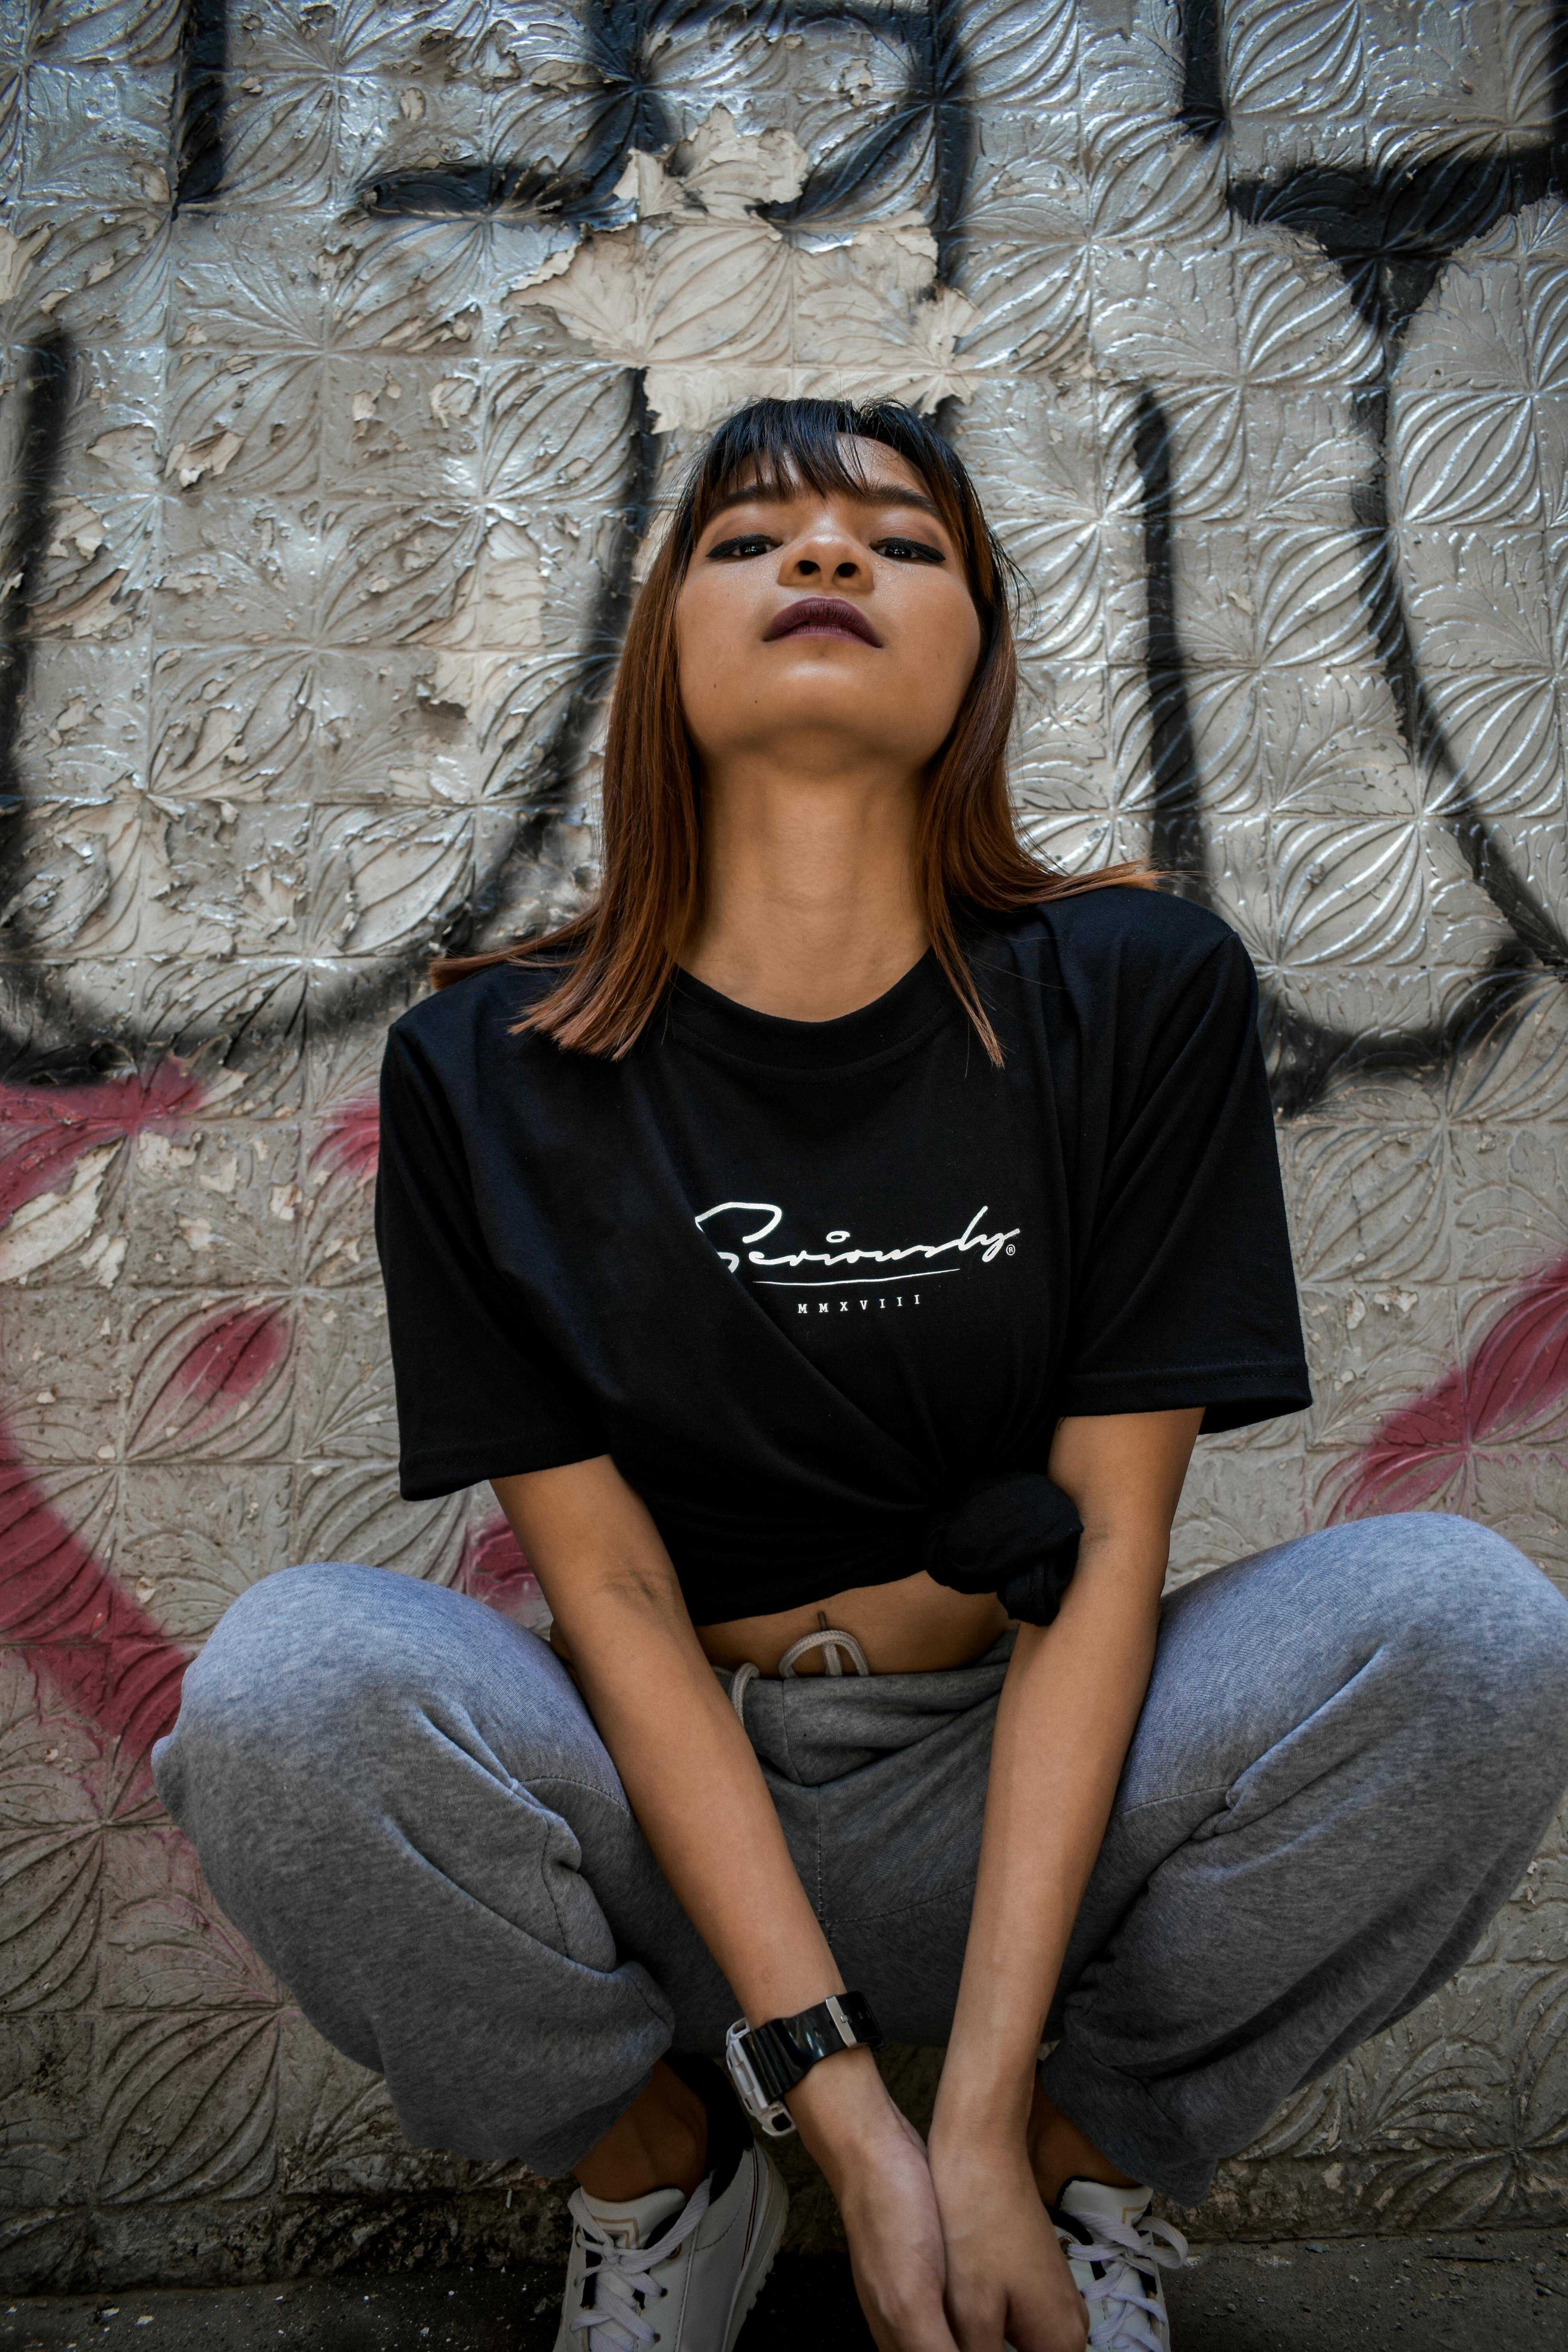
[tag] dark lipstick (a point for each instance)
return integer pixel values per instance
(830, 616)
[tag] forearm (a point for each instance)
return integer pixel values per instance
(1064, 1722)
(691, 1777)
(695, 1787)
(697, 1792)
(688, 1769)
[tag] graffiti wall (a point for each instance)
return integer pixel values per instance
(349, 351)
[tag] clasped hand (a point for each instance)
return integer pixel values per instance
(952, 2249)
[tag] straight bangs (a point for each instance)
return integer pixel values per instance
(783, 445)
(613, 963)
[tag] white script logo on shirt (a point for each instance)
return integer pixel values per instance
(909, 1254)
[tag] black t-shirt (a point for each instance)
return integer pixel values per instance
(806, 1281)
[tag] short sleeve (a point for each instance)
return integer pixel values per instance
(481, 1392)
(1185, 1294)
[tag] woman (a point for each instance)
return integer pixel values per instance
(829, 1247)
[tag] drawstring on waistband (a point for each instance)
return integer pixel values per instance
(829, 1639)
(740, 1681)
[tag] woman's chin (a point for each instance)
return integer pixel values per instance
(807, 717)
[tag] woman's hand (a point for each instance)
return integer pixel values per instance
(875, 2163)
(1008, 2277)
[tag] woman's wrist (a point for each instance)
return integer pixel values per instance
(984, 2101)
(843, 2111)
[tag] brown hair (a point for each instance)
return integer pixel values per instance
(620, 955)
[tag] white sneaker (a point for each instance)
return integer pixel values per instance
(1111, 2249)
(668, 2269)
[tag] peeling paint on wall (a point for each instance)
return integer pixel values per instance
(350, 356)
(714, 305)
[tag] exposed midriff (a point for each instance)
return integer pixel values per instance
(911, 1627)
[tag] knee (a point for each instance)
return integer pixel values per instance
(291, 1665)
(324, 1681)
(1480, 1629)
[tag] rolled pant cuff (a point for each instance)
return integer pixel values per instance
(1124, 2123)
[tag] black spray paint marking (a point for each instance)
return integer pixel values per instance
(1177, 841)
(1203, 70)
(1305, 1056)
(45, 375)
(1391, 234)
(199, 155)
(630, 112)
(1391, 231)
(43, 392)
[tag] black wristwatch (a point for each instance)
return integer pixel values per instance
(765, 2061)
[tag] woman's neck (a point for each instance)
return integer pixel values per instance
(809, 905)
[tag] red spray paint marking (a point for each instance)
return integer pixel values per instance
(234, 1354)
(44, 1130)
(493, 1570)
(231, 1356)
(74, 1622)
(1513, 1378)
(350, 1138)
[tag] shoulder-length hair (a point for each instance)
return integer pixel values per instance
(618, 957)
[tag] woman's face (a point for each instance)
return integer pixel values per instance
(821, 627)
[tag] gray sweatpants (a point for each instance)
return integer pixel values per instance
(1350, 1747)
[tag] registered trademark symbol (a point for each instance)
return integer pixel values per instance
(1010, 1251)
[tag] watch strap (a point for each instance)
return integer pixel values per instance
(784, 2052)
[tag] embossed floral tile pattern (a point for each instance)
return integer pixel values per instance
(349, 354)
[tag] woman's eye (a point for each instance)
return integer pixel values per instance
(755, 543)
(909, 551)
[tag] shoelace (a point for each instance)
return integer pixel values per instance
(623, 2287)
(1128, 2317)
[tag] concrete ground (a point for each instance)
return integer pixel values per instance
(1505, 2292)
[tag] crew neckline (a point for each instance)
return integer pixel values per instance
(890, 1023)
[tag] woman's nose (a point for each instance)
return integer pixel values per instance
(825, 560)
